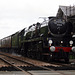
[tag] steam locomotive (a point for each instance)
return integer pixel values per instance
(49, 40)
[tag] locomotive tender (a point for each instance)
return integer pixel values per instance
(52, 40)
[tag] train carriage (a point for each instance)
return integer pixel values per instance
(5, 44)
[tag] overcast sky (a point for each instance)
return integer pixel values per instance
(18, 14)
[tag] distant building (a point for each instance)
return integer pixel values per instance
(68, 13)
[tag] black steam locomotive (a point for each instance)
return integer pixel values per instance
(50, 40)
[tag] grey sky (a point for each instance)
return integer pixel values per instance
(18, 14)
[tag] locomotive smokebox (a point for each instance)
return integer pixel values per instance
(58, 27)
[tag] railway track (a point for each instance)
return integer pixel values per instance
(14, 66)
(12, 60)
(25, 64)
(7, 59)
(29, 62)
